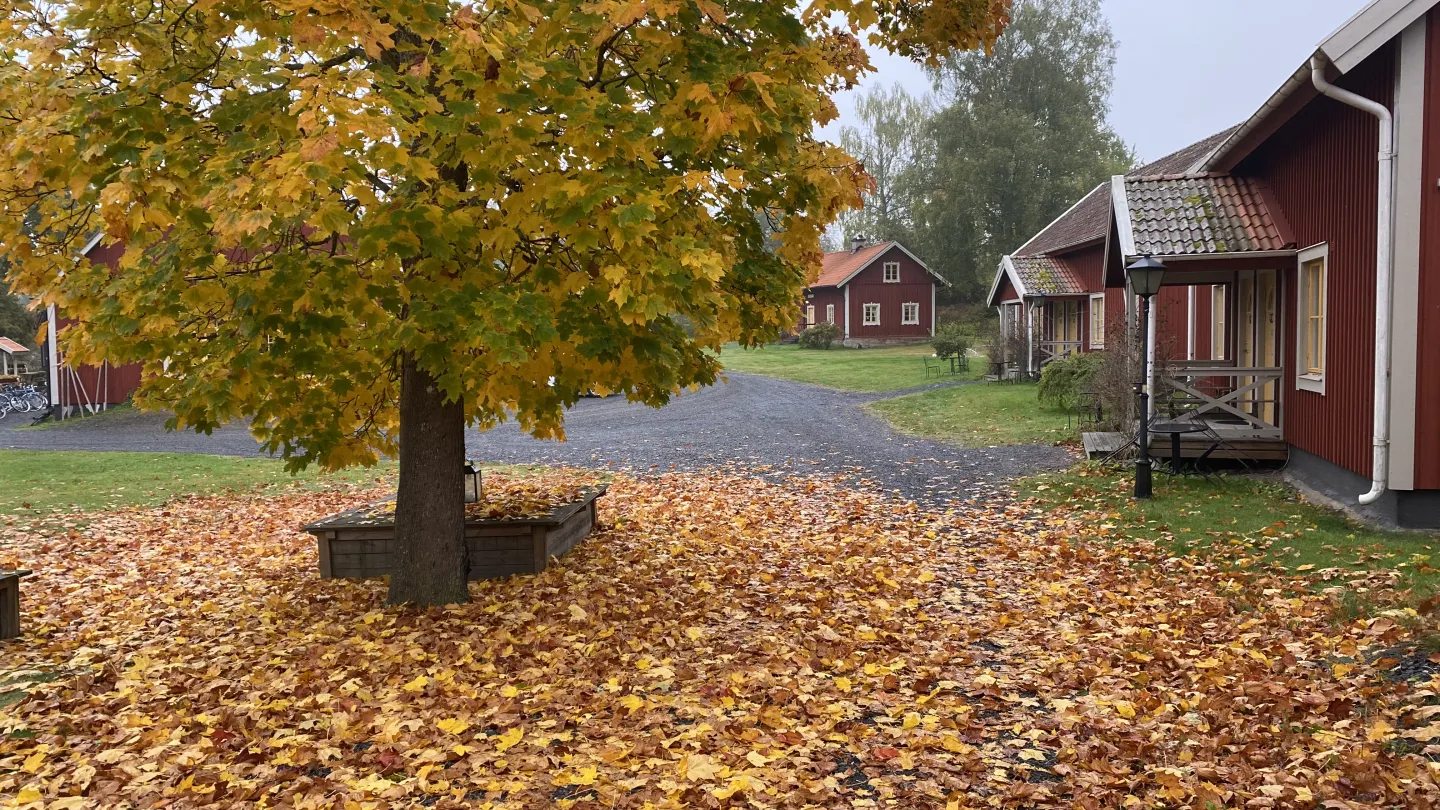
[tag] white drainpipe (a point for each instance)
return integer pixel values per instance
(1383, 272)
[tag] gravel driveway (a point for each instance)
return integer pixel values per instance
(761, 423)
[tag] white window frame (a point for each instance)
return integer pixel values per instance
(1304, 380)
(1219, 322)
(892, 266)
(1097, 336)
(830, 313)
(865, 311)
(809, 315)
(905, 319)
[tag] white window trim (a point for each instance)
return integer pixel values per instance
(904, 321)
(886, 270)
(1314, 383)
(1101, 298)
(809, 315)
(830, 313)
(865, 315)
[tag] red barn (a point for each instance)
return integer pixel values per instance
(877, 294)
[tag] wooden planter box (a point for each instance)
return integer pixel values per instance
(357, 545)
(10, 603)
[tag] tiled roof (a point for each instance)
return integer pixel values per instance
(1186, 160)
(1174, 215)
(1086, 221)
(1089, 219)
(1043, 275)
(839, 266)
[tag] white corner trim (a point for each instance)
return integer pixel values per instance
(1370, 29)
(1405, 306)
(1124, 226)
(1314, 383)
(847, 313)
(93, 243)
(1007, 267)
(934, 310)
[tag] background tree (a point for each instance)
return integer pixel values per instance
(890, 143)
(1019, 136)
(371, 224)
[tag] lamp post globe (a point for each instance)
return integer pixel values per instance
(1145, 276)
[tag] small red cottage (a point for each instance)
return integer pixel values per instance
(877, 294)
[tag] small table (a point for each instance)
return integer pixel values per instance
(1175, 430)
(959, 363)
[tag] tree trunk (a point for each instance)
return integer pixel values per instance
(431, 564)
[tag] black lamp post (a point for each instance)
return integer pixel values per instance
(1146, 275)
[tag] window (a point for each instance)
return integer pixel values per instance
(810, 315)
(892, 272)
(872, 315)
(1097, 321)
(830, 313)
(909, 314)
(1314, 302)
(1217, 322)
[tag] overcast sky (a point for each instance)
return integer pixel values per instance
(1185, 69)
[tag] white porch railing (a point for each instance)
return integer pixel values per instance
(1246, 400)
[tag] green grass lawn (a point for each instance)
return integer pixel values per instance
(981, 415)
(1191, 514)
(39, 481)
(894, 368)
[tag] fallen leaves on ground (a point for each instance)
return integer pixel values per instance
(722, 642)
(508, 496)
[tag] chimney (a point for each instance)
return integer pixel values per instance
(857, 243)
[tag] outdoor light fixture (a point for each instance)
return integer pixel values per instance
(1146, 276)
(472, 482)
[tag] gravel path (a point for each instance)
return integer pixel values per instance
(772, 425)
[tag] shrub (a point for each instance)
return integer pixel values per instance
(1063, 380)
(951, 340)
(820, 336)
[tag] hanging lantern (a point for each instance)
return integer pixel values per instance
(473, 487)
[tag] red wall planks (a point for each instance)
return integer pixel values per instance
(869, 287)
(1089, 265)
(1321, 167)
(1427, 405)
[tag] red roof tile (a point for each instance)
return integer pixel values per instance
(840, 266)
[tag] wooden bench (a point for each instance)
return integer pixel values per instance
(10, 603)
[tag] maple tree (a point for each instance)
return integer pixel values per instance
(724, 641)
(363, 220)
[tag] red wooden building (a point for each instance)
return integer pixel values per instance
(1052, 292)
(76, 389)
(877, 294)
(1304, 267)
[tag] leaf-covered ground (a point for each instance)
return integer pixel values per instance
(723, 642)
